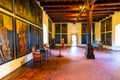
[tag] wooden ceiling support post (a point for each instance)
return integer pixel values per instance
(89, 49)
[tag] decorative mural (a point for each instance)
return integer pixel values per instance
(6, 38)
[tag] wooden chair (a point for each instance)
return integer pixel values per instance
(36, 55)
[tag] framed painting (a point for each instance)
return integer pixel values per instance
(7, 4)
(84, 27)
(103, 38)
(57, 39)
(109, 24)
(49, 25)
(6, 38)
(64, 28)
(33, 10)
(103, 26)
(84, 39)
(41, 38)
(64, 36)
(93, 28)
(50, 38)
(40, 17)
(22, 8)
(108, 39)
(22, 38)
(57, 28)
(34, 37)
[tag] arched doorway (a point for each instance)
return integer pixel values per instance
(74, 40)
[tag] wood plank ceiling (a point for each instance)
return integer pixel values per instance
(68, 10)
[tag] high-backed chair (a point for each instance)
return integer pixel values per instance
(36, 55)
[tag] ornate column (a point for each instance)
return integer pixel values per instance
(89, 49)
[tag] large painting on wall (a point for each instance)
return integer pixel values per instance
(22, 8)
(6, 38)
(84, 28)
(84, 39)
(33, 11)
(22, 38)
(64, 28)
(49, 25)
(103, 26)
(41, 37)
(103, 38)
(109, 24)
(7, 4)
(109, 38)
(57, 39)
(64, 36)
(40, 17)
(34, 37)
(57, 28)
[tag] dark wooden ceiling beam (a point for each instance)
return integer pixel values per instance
(61, 3)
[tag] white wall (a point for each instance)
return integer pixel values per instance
(74, 29)
(13, 65)
(45, 23)
(115, 21)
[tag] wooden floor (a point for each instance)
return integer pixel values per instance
(72, 66)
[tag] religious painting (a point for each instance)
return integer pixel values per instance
(57, 39)
(103, 26)
(33, 10)
(7, 4)
(108, 39)
(64, 36)
(22, 38)
(64, 28)
(6, 39)
(22, 8)
(84, 27)
(109, 24)
(57, 28)
(34, 37)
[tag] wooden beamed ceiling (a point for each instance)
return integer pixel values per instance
(68, 10)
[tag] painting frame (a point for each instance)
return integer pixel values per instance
(22, 38)
(6, 38)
